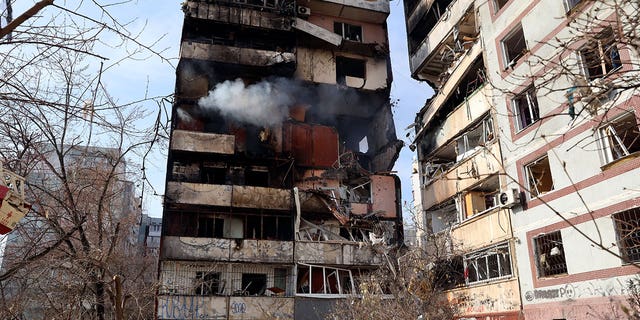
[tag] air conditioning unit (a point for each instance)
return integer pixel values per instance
(509, 198)
(304, 11)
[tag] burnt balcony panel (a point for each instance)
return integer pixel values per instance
(237, 250)
(374, 11)
(182, 140)
(261, 197)
(235, 55)
(235, 13)
(199, 193)
(332, 253)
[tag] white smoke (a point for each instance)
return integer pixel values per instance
(264, 103)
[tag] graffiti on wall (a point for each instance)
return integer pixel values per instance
(187, 307)
(499, 300)
(596, 288)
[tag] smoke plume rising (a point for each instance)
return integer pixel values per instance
(264, 103)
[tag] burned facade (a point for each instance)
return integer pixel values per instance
(279, 194)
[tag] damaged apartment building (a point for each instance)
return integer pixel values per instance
(528, 153)
(279, 193)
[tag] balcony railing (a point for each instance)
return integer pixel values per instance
(226, 250)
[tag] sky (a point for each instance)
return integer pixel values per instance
(160, 23)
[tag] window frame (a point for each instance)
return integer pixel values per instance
(510, 62)
(601, 48)
(528, 174)
(497, 6)
(532, 107)
(570, 4)
(608, 135)
(345, 27)
(622, 240)
(472, 259)
(559, 245)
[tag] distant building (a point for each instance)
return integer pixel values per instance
(149, 233)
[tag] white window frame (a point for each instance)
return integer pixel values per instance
(511, 61)
(606, 131)
(530, 94)
(473, 259)
(529, 176)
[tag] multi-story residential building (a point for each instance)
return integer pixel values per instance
(279, 194)
(550, 125)
(149, 233)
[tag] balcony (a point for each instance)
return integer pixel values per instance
(504, 295)
(477, 165)
(374, 11)
(452, 35)
(193, 141)
(228, 195)
(475, 107)
(258, 17)
(216, 307)
(227, 250)
(336, 253)
(483, 230)
(234, 55)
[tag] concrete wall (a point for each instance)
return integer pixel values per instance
(336, 253)
(211, 307)
(191, 248)
(489, 228)
(234, 55)
(497, 297)
(202, 142)
(228, 195)
(371, 32)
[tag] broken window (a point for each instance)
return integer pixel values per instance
(279, 279)
(347, 67)
(268, 227)
(348, 31)
(550, 256)
(525, 108)
(620, 137)
(254, 284)
(257, 176)
(569, 4)
(498, 4)
(628, 232)
(186, 172)
(514, 47)
(474, 139)
(210, 227)
(600, 56)
(538, 174)
(324, 280)
(488, 264)
(214, 172)
(207, 283)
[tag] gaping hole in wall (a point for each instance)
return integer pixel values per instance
(538, 174)
(349, 68)
(514, 46)
(550, 256)
(620, 137)
(187, 168)
(600, 56)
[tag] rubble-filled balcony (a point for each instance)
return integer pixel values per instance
(374, 11)
(454, 33)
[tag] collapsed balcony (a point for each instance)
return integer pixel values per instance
(456, 32)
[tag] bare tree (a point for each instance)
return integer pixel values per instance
(82, 152)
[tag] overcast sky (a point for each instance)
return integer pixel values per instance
(149, 75)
